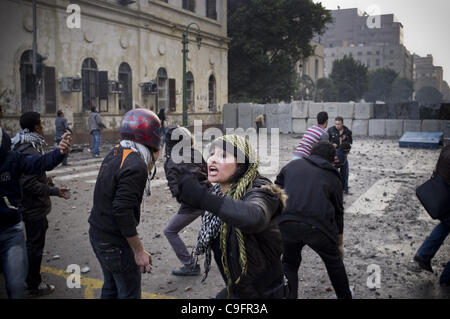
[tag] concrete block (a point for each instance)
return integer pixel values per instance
(229, 116)
(285, 118)
(311, 122)
(331, 109)
(408, 111)
(348, 123)
(314, 109)
(446, 128)
(299, 125)
(431, 126)
(272, 116)
(346, 110)
(394, 128)
(244, 115)
(380, 111)
(300, 109)
(257, 110)
(377, 127)
(364, 111)
(412, 126)
(360, 127)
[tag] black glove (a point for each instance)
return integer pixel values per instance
(197, 195)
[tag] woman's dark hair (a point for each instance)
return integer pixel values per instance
(325, 150)
(29, 120)
(443, 164)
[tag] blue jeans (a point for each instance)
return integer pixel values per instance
(344, 172)
(96, 138)
(432, 244)
(121, 274)
(13, 260)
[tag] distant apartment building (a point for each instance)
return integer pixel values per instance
(375, 47)
(427, 74)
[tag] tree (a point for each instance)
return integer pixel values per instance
(350, 79)
(267, 38)
(306, 88)
(325, 90)
(380, 84)
(429, 95)
(402, 90)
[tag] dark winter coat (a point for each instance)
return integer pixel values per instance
(118, 196)
(36, 202)
(314, 191)
(12, 166)
(254, 215)
(335, 136)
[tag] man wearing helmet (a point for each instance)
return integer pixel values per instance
(121, 183)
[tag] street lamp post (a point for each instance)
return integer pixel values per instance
(185, 51)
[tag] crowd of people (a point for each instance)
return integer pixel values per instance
(254, 229)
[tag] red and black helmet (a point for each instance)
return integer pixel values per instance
(142, 126)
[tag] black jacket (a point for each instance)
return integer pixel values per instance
(314, 191)
(254, 215)
(36, 192)
(118, 195)
(335, 136)
(193, 162)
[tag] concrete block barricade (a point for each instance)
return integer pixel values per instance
(299, 125)
(332, 110)
(408, 111)
(394, 128)
(377, 127)
(360, 127)
(412, 125)
(364, 111)
(244, 115)
(314, 109)
(446, 128)
(348, 123)
(257, 110)
(431, 126)
(272, 116)
(229, 116)
(300, 109)
(380, 111)
(346, 110)
(285, 118)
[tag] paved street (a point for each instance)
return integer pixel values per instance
(384, 226)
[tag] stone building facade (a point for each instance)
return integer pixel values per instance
(117, 56)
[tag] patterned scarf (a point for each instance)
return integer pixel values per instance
(25, 136)
(212, 226)
(144, 153)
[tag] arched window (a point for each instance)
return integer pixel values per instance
(89, 76)
(28, 83)
(163, 89)
(212, 93)
(125, 80)
(190, 94)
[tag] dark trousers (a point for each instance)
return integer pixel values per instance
(121, 274)
(35, 231)
(344, 172)
(295, 236)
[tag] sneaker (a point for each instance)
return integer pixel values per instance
(42, 290)
(425, 265)
(187, 271)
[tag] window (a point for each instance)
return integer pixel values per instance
(28, 83)
(50, 89)
(211, 9)
(89, 75)
(189, 5)
(377, 62)
(190, 94)
(163, 89)
(125, 81)
(212, 93)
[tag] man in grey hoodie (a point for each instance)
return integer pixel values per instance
(95, 126)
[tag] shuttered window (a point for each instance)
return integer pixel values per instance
(172, 96)
(50, 89)
(189, 5)
(211, 9)
(89, 85)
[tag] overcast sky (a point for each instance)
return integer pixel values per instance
(426, 24)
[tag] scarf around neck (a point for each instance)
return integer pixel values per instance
(25, 136)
